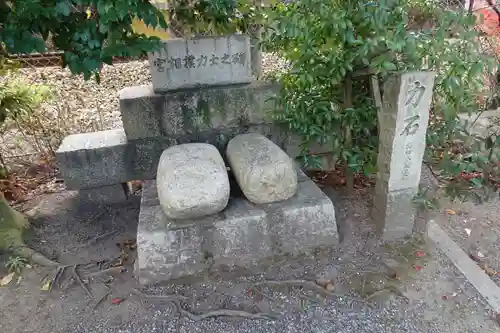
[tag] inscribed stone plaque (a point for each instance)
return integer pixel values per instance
(203, 61)
(403, 125)
(403, 121)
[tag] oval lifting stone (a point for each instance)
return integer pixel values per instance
(264, 172)
(192, 181)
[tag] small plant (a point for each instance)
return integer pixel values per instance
(332, 47)
(16, 264)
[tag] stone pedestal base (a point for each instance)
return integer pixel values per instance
(241, 235)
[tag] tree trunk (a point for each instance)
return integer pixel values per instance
(12, 225)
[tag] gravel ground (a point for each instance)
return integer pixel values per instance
(433, 298)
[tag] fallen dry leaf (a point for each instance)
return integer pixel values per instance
(323, 282)
(6, 279)
(46, 285)
(117, 301)
(451, 212)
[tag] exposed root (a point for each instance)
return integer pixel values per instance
(109, 271)
(34, 256)
(164, 298)
(177, 299)
(222, 313)
(100, 300)
(79, 280)
(96, 239)
(311, 285)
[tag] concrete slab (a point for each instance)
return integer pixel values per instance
(241, 235)
(476, 276)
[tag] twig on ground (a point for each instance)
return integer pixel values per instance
(110, 271)
(309, 285)
(177, 299)
(95, 239)
(101, 299)
(59, 272)
(222, 313)
(392, 289)
(79, 280)
(165, 298)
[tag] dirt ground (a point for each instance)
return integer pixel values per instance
(405, 287)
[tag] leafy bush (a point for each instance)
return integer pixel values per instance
(328, 44)
(90, 32)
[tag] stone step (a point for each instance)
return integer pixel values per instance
(242, 235)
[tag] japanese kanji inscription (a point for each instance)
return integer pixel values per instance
(188, 63)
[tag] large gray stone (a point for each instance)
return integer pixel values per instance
(263, 170)
(202, 61)
(92, 160)
(105, 195)
(242, 235)
(403, 121)
(188, 113)
(192, 181)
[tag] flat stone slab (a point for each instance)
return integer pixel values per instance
(203, 61)
(241, 235)
(192, 181)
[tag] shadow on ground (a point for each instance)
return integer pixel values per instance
(399, 287)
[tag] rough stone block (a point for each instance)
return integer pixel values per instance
(141, 111)
(105, 195)
(189, 63)
(192, 181)
(116, 160)
(169, 249)
(89, 160)
(393, 212)
(243, 234)
(305, 221)
(403, 120)
(190, 112)
(264, 172)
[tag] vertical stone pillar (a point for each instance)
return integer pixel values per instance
(403, 121)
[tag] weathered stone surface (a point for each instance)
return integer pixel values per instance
(263, 170)
(190, 112)
(403, 123)
(169, 249)
(242, 235)
(393, 211)
(305, 221)
(105, 195)
(89, 160)
(115, 159)
(104, 158)
(192, 181)
(189, 63)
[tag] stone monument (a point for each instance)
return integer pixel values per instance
(201, 61)
(201, 111)
(292, 215)
(403, 120)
